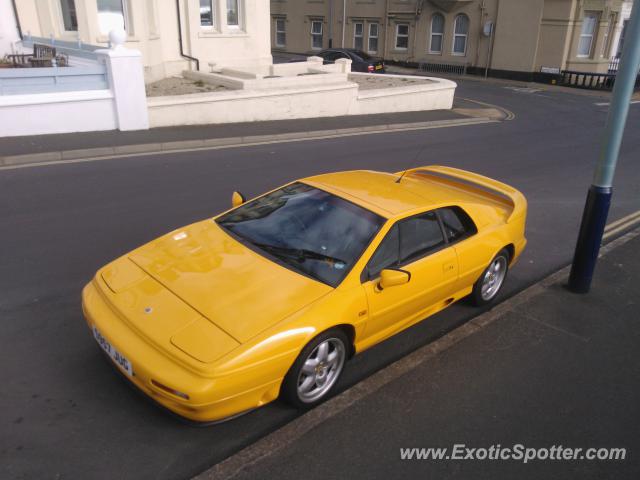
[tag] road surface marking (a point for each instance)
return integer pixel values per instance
(621, 224)
(509, 115)
(525, 89)
(606, 104)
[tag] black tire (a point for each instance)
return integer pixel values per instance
(477, 297)
(290, 392)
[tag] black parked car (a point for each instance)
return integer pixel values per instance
(362, 62)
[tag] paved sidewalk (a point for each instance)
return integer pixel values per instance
(90, 140)
(544, 368)
(16, 152)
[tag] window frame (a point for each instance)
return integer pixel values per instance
(471, 228)
(214, 16)
(356, 36)
(366, 277)
(439, 34)
(370, 37)
(592, 35)
(425, 252)
(240, 12)
(456, 35)
(283, 31)
(75, 13)
(398, 25)
(608, 36)
(318, 34)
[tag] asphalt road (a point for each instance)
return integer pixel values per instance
(66, 414)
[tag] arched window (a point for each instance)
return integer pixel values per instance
(437, 32)
(460, 34)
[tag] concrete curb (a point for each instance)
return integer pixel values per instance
(103, 153)
(278, 440)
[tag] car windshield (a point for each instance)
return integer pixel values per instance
(307, 229)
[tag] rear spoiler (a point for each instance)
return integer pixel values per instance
(478, 183)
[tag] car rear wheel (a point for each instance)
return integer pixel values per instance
(486, 289)
(316, 370)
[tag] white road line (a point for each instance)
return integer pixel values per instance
(606, 104)
(524, 89)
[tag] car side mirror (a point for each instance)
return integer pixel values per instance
(391, 278)
(237, 199)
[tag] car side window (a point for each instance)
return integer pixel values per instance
(419, 235)
(331, 56)
(457, 223)
(386, 255)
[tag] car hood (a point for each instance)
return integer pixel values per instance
(237, 289)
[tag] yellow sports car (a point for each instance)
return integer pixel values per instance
(270, 298)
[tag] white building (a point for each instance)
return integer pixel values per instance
(167, 32)
(618, 38)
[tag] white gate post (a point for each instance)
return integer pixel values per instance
(126, 78)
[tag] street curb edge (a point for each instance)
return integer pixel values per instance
(104, 153)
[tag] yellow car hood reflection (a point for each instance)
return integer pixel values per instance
(237, 289)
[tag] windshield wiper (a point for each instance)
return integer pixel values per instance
(299, 254)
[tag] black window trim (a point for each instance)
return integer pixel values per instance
(364, 275)
(469, 232)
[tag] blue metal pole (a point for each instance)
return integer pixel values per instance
(594, 217)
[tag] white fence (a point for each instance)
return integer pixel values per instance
(21, 81)
(106, 95)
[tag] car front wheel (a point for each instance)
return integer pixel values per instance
(490, 282)
(316, 370)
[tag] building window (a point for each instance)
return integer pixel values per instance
(316, 34)
(69, 17)
(206, 13)
(585, 44)
(281, 33)
(437, 33)
(402, 36)
(373, 37)
(358, 36)
(114, 15)
(460, 34)
(233, 13)
(608, 34)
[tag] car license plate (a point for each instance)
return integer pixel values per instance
(378, 67)
(115, 355)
